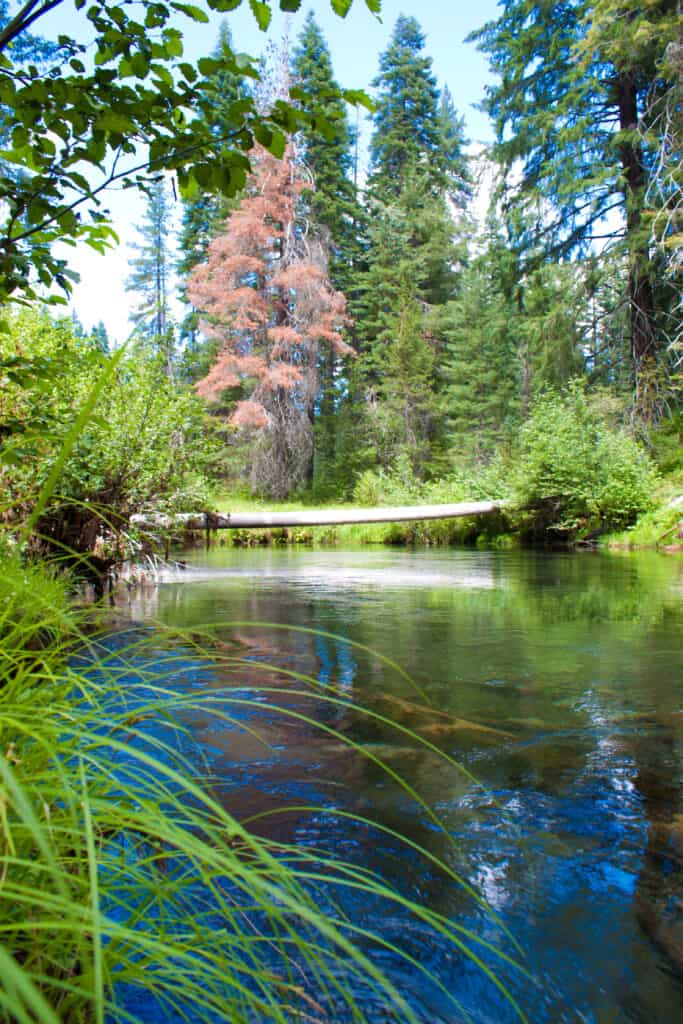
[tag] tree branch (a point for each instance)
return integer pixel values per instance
(21, 21)
(112, 177)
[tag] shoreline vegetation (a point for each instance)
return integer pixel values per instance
(659, 529)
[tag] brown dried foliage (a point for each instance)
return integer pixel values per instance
(264, 293)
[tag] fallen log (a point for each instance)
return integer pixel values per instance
(311, 517)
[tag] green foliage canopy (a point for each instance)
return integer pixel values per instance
(332, 202)
(580, 82)
(150, 272)
(75, 128)
(406, 122)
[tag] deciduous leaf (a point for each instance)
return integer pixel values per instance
(196, 13)
(261, 12)
(224, 5)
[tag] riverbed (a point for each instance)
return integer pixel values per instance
(553, 685)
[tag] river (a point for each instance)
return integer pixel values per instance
(554, 680)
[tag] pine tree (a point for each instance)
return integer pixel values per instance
(575, 77)
(406, 124)
(452, 145)
(334, 215)
(100, 336)
(332, 203)
(481, 369)
(410, 272)
(551, 328)
(151, 273)
(411, 236)
(407, 409)
(205, 213)
(605, 323)
(418, 181)
(265, 297)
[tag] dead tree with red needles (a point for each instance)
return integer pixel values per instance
(265, 296)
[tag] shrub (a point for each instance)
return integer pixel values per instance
(146, 446)
(574, 475)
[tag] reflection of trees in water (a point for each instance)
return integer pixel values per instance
(564, 676)
(659, 894)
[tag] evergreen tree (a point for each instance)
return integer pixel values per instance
(335, 216)
(410, 272)
(481, 367)
(418, 170)
(605, 323)
(551, 329)
(407, 410)
(151, 272)
(406, 123)
(100, 336)
(77, 325)
(332, 203)
(452, 146)
(575, 76)
(204, 214)
(411, 237)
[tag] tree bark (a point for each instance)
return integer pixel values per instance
(315, 517)
(641, 292)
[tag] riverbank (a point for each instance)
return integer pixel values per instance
(661, 528)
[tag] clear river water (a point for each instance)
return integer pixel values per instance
(555, 680)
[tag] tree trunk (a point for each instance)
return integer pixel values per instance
(315, 517)
(641, 293)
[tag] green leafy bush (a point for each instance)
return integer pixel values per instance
(574, 475)
(148, 444)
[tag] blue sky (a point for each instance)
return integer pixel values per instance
(356, 43)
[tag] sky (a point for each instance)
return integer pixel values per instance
(356, 43)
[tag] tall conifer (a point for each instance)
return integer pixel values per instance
(406, 123)
(265, 297)
(205, 213)
(151, 274)
(335, 216)
(332, 203)
(417, 169)
(576, 81)
(452, 144)
(481, 366)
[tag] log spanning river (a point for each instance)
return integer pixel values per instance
(556, 680)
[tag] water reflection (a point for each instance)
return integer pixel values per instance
(555, 679)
